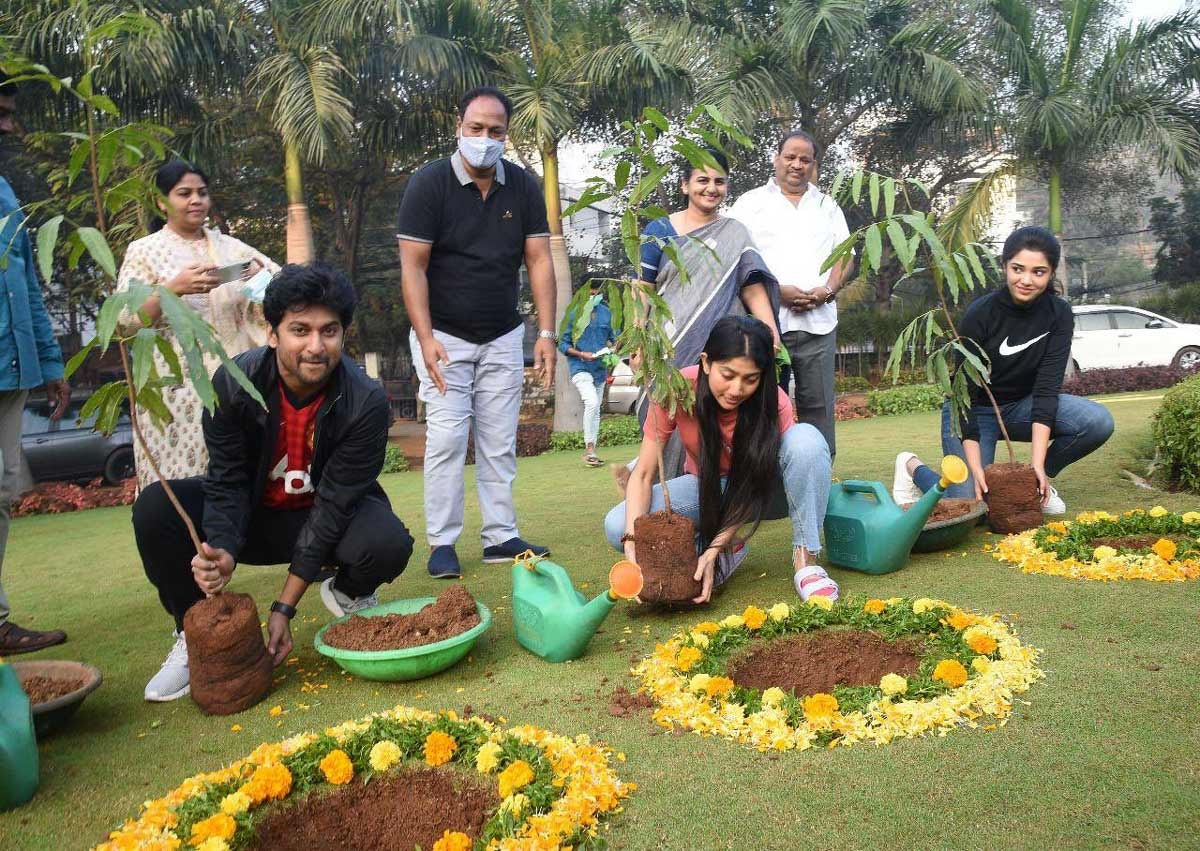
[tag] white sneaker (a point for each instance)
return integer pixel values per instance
(904, 490)
(173, 679)
(340, 604)
(1055, 504)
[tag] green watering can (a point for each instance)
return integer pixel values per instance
(551, 618)
(866, 531)
(18, 747)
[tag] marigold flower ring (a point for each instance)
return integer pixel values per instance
(553, 790)
(971, 667)
(1156, 545)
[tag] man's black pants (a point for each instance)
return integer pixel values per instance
(374, 550)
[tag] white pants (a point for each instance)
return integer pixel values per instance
(484, 383)
(590, 392)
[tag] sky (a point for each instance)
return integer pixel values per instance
(1143, 9)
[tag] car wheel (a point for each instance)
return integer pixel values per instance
(1187, 358)
(119, 466)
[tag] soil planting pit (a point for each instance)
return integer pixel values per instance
(1013, 501)
(396, 812)
(45, 689)
(666, 553)
(807, 664)
(1131, 542)
(946, 509)
(228, 660)
(453, 613)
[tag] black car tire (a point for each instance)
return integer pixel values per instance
(1186, 358)
(119, 466)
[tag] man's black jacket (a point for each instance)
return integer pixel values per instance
(349, 440)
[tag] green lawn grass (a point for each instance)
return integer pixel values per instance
(1104, 752)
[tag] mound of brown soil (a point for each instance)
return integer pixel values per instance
(228, 660)
(807, 664)
(624, 703)
(1014, 504)
(397, 812)
(453, 613)
(46, 689)
(946, 509)
(666, 553)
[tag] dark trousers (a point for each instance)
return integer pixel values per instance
(374, 550)
(813, 362)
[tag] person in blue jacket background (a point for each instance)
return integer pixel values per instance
(588, 368)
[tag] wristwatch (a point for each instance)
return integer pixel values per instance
(284, 609)
(543, 334)
(832, 293)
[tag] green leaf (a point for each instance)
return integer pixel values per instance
(79, 156)
(648, 183)
(856, 186)
(874, 247)
(889, 197)
(169, 355)
(653, 212)
(837, 183)
(873, 188)
(149, 399)
(844, 251)
(97, 246)
(104, 103)
(47, 237)
(656, 118)
(142, 351)
(78, 358)
(630, 238)
(97, 399)
(622, 176)
(899, 243)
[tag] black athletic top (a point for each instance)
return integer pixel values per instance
(1028, 346)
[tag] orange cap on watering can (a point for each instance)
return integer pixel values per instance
(625, 580)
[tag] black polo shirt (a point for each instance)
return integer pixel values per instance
(478, 244)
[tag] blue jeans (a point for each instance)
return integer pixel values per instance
(1081, 426)
(806, 469)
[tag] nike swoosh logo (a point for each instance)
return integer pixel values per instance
(1006, 349)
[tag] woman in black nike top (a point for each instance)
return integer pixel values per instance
(1025, 330)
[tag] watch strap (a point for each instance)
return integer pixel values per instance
(284, 609)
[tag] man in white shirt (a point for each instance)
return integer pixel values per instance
(796, 227)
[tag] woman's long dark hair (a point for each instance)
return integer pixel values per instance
(168, 175)
(755, 451)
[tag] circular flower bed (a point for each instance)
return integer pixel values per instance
(971, 667)
(552, 789)
(1157, 545)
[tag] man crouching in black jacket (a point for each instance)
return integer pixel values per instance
(294, 482)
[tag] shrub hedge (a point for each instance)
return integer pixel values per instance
(906, 399)
(394, 461)
(614, 431)
(1126, 380)
(1177, 434)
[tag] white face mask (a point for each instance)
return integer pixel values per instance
(480, 151)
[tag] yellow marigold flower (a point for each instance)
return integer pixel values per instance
(979, 641)
(1165, 549)
(951, 672)
(923, 605)
(516, 776)
(515, 804)
(959, 620)
(772, 696)
(1101, 553)
(221, 826)
(700, 639)
(874, 607)
(707, 627)
(780, 611)
(981, 664)
(687, 658)
(1158, 511)
(820, 601)
(699, 682)
(733, 620)
(717, 686)
(268, 783)
(452, 840)
(213, 843)
(488, 758)
(234, 803)
(439, 748)
(1053, 539)
(820, 707)
(891, 684)
(1057, 526)
(1191, 517)
(337, 768)
(384, 755)
(754, 617)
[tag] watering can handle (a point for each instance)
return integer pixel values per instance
(876, 488)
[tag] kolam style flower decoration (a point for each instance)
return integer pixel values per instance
(554, 791)
(1156, 545)
(971, 668)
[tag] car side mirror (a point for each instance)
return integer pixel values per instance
(1156, 323)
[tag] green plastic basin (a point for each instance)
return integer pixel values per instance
(948, 533)
(410, 663)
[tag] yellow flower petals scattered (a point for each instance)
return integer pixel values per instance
(688, 657)
(1101, 553)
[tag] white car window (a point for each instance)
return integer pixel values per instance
(1092, 321)
(1127, 321)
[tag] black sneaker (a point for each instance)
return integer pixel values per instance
(510, 549)
(443, 563)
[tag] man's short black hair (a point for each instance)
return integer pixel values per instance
(800, 134)
(300, 285)
(8, 89)
(485, 92)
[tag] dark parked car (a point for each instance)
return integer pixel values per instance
(69, 450)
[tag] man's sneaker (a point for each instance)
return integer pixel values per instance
(443, 562)
(904, 490)
(510, 549)
(1055, 504)
(173, 679)
(340, 604)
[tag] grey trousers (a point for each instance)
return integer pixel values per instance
(12, 404)
(814, 357)
(484, 383)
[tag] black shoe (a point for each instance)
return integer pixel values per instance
(511, 549)
(16, 639)
(443, 563)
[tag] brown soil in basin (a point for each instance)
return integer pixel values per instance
(453, 613)
(397, 812)
(666, 553)
(228, 660)
(45, 689)
(946, 509)
(807, 664)
(1014, 504)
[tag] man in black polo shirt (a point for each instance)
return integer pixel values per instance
(466, 225)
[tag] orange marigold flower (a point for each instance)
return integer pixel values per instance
(959, 620)
(1165, 548)
(706, 627)
(439, 748)
(688, 657)
(452, 840)
(268, 783)
(951, 672)
(337, 768)
(819, 707)
(754, 617)
(717, 686)
(874, 607)
(221, 826)
(981, 642)
(517, 776)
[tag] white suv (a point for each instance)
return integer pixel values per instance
(1110, 336)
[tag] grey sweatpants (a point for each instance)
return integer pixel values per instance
(12, 404)
(814, 357)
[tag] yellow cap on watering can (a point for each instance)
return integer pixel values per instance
(954, 471)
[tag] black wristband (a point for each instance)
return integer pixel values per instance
(284, 609)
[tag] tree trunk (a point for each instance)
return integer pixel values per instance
(1056, 224)
(299, 226)
(568, 408)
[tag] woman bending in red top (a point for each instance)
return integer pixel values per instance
(739, 439)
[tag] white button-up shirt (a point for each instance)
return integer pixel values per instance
(795, 241)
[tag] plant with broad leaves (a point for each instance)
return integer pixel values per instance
(952, 362)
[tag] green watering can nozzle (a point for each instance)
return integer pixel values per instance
(954, 471)
(624, 580)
